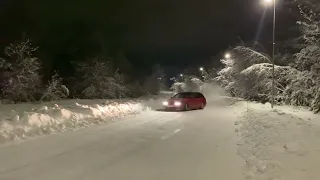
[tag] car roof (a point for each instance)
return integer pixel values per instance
(190, 92)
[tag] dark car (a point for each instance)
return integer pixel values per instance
(186, 101)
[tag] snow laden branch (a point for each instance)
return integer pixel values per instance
(254, 56)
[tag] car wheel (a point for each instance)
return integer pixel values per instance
(202, 106)
(186, 107)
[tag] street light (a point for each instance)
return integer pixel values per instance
(201, 69)
(273, 2)
(227, 55)
(268, 1)
(181, 76)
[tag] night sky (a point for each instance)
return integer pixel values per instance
(184, 32)
(176, 33)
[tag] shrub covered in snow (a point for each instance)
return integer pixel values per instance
(191, 83)
(255, 83)
(178, 87)
(55, 90)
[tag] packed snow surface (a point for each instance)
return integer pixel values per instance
(153, 145)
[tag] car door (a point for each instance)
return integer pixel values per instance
(193, 100)
(198, 100)
(187, 99)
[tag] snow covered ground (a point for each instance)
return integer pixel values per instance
(20, 121)
(153, 145)
(279, 144)
(251, 140)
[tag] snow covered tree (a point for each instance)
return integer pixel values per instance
(309, 55)
(99, 80)
(308, 59)
(55, 90)
(242, 58)
(20, 72)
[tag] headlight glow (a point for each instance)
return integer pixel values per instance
(165, 103)
(177, 103)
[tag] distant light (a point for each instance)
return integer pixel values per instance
(227, 56)
(181, 75)
(201, 69)
(159, 78)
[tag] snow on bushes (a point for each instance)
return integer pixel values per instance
(55, 90)
(19, 121)
(291, 86)
(190, 83)
(178, 87)
(257, 80)
(255, 83)
(97, 79)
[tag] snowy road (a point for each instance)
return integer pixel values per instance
(154, 145)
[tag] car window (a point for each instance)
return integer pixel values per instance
(188, 95)
(199, 95)
(182, 95)
(194, 95)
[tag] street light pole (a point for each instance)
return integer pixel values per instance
(181, 77)
(273, 52)
(201, 69)
(273, 2)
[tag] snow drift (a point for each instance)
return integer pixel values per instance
(19, 121)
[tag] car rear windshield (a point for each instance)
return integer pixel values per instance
(188, 95)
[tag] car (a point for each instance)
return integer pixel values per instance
(185, 101)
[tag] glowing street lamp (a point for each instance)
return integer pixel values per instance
(201, 69)
(267, 2)
(227, 55)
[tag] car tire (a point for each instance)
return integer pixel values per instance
(186, 107)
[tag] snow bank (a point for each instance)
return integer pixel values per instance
(19, 121)
(281, 143)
